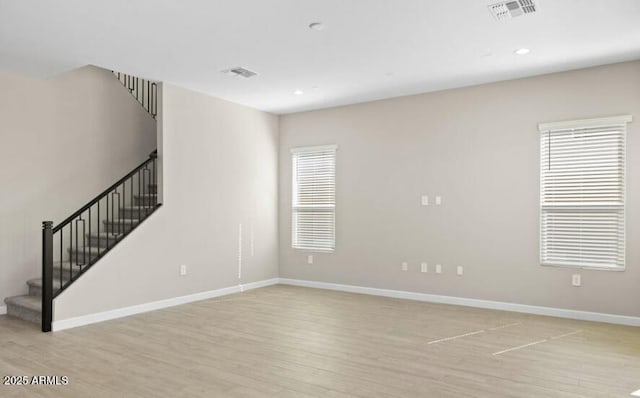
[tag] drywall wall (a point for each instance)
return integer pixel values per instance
(220, 170)
(478, 148)
(63, 140)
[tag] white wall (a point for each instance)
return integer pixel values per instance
(478, 148)
(220, 169)
(63, 140)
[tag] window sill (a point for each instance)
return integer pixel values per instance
(302, 249)
(584, 267)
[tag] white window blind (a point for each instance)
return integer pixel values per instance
(582, 193)
(314, 198)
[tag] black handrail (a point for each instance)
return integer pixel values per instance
(132, 208)
(84, 208)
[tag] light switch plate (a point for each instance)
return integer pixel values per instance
(425, 200)
(438, 200)
(460, 270)
(405, 266)
(183, 270)
(438, 268)
(424, 267)
(310, 259)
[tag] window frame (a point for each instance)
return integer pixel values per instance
(294, 206)
(604, 122)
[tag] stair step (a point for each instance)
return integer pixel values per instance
(35, 286)
(84, 254)
(28, 308)
(122, 225)
(103, 239)
(150, 199)
(66, 269)
(135, 212)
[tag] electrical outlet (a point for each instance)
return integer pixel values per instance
(576, 280)
(424, 267)
(438, 200)
(425, 200)
(459, 270)
(310, 259)
(405, 266)
(438, 268)
(183, 270)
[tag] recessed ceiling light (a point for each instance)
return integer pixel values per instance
(316, 26)
(298, 92)
(522, 51)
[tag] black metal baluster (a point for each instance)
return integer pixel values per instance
(90, 232)
(71, 256)
(132, 189)
(144, 188)
(119, 219)
(155, 101)
(148, 96)
(108, 226)
(155, 181)
(84, 242)
(61, 255)
(140, 193)
(124, 195)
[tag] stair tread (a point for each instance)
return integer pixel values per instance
(123, 220)
(87, 249)
(103, 235)
(37, 282)
(142, 208)
(33, 303)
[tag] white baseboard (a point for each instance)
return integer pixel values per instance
(469, 302)
(3, 309)
(156, 305)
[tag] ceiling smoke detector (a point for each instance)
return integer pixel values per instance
(240, 72)
(511, 9)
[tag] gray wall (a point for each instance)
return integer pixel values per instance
(62, 141)
(220, 169)
(478, 148)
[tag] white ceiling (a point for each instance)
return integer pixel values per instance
(370, 49)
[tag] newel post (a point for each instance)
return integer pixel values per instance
(47, 275)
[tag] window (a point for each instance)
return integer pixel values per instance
(582, 193)
(314, 198)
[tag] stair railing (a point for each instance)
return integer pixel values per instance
(93, 230)
(143, 90)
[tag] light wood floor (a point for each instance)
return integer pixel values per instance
(285, 341)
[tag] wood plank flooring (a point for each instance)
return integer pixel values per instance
(285, 341)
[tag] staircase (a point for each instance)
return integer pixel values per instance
(73, 246)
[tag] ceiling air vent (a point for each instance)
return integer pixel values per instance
(511, 9)
(241, 72)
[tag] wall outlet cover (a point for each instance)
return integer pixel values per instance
(460, 270)
(183, 270)
(405, 266)
(438, 200)
(576, 280)
(424, 200)
(438, 268)
(310, 259)
(424, 267)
